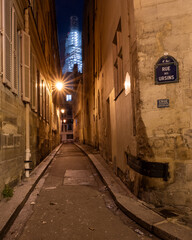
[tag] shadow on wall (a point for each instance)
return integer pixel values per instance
(144, 149)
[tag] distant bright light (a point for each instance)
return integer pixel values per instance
(69, 97)
(62, 110)
(59, 86)
(58, 113)
(64, 120)
(127, 84)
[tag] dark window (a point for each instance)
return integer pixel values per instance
(38, 92)
(70, 127)
(99, 105)
(88, 32)
(69, 136)
(118, 60)
(69, 112)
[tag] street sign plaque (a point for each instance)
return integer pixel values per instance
(163, 103)
(166, 70)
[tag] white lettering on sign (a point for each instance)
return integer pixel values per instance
(164, 69)
(165, 101)
(162, 78)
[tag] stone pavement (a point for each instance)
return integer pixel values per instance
(72, 203)
(139, 211)
(165, 228)
(10, 209)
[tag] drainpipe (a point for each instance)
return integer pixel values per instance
(27, 111)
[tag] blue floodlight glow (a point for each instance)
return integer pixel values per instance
(73, 48)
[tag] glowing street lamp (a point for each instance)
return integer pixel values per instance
(62, 110)
(59, 85)
(127, 84)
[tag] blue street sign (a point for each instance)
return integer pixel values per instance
(166, 70)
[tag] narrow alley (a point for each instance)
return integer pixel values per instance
(95, 119)
(71, 202)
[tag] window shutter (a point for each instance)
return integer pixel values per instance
(1, 38)
(31, 76)
(47, 104)
(36, 88)
(6, 7)
(19, 62)
(41, 96)
(26, 66)
(14, 53)
(34, 83)
(48, 112)
(44, 100)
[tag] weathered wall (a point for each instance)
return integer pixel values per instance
(12, 137)
(88, 75)
(43, 118)
(114, 113)
(163, 27)
(138, 139)
(77, 113)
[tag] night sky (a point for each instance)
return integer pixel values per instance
(64, 10)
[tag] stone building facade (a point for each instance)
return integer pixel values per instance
(77, 106)
(29, 65)
(71, 103)
(66, 120)
(141, 126)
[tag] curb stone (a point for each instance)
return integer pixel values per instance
(137, 211)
